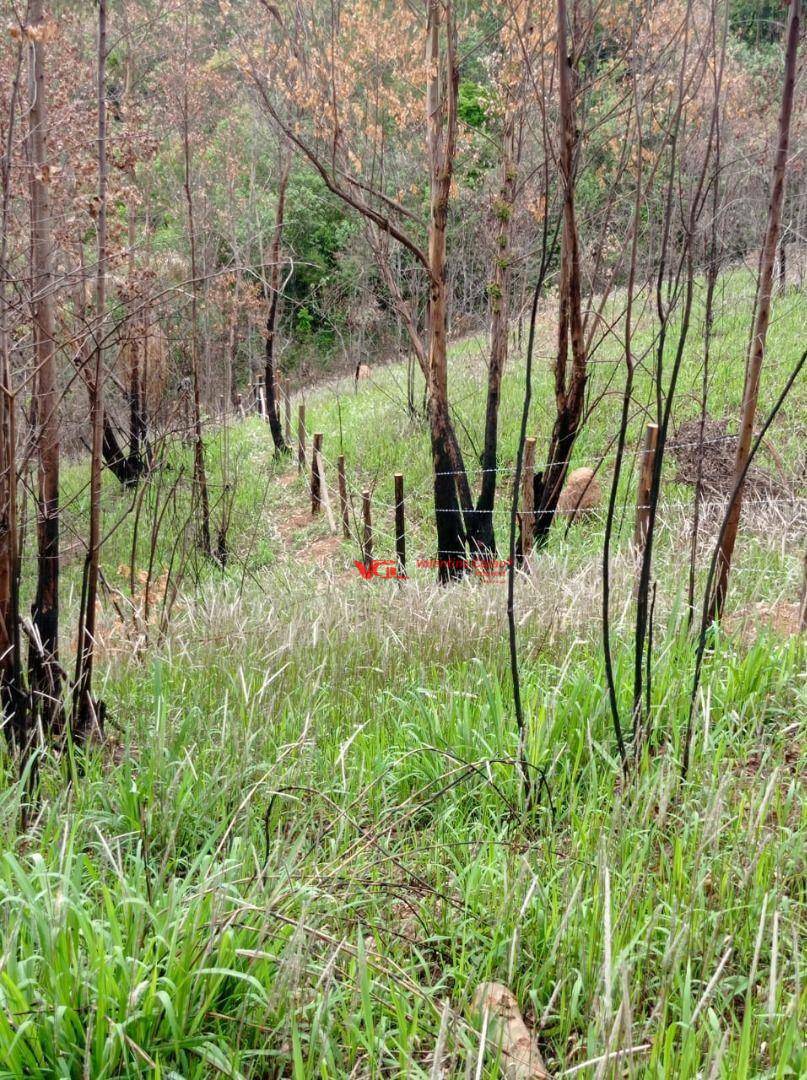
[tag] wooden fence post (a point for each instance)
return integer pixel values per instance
(400, 526)
(287, 408)
(316, 488)
(367, 542)
(646, 465)
(343, 506)
(301, 436)
(528, 501)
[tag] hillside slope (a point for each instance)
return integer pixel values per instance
(305, 843)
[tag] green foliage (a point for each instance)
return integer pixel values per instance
(502, 210)
(758, 22)
(303, 321)
(317, 233)
(473, 103)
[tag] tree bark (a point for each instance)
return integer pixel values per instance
(137, 333)
(86, 714)
(12, 696)
(441, 122)
(44, 671)
(115, 458)
(137, 411)
(481, 533)
(569, 388)
(508, 1036)
(270, 368)
(763, 311)
(137, 337)
(199, 473)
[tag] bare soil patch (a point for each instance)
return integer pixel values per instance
(781, 618)
(323, 550)
(293, 523)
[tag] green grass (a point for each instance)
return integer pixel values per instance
(305, 843)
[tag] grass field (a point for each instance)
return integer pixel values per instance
(305, 842)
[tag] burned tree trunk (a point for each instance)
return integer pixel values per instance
(199, 470)
(763, 311)
(135, 461)
(43, 662)
(137, 322)
(270, 368)
(569, 386)
(451, 539)
(12, 696)
(86, 713)
(114, 456)
(481, 534)
(137, 334)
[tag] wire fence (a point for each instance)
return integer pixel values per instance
(788, 511)
(779, 516)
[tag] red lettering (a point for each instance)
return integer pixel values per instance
(382, 568)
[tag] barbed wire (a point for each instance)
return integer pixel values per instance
(355, 488)
(418, 513)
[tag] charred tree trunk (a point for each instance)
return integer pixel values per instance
(451, 489)
(442, 132)
(12, 694)
(137, 416)
(136, 322)
(138, 336)
(481, 534)
(270, 366)
(43, 659)
(448, 445)
(569, 387)
(114, 456)
(763, 311)
(86, 712)
(199, 472)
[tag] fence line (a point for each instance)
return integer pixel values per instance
(417, 490)
(355, 488)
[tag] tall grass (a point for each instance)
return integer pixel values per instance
(304, 843)
(309, 839)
